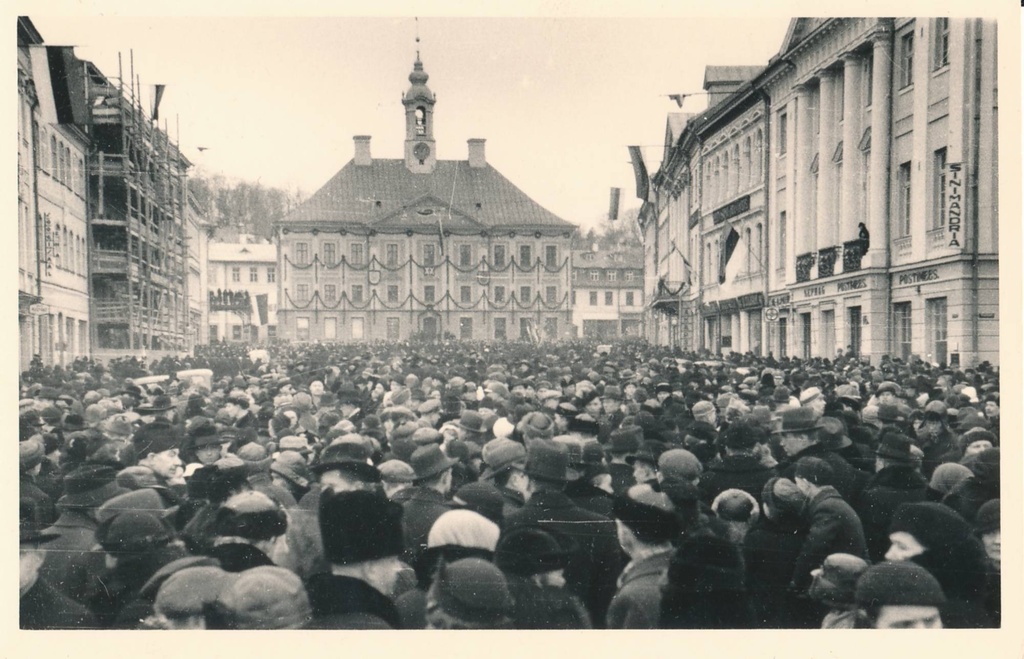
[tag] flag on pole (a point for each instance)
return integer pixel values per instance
(440, 233)
(728, 248)
(643, 183)
(613, 204)
(261, 307)
(158, 94)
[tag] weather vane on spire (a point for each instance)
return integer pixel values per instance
(417, 20)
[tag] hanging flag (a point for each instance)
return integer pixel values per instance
(689, 269)
(440, 234)
(158, 94)
(643, 183)
(613, 204)
(261, 307)
(678, 98)
(727, 251)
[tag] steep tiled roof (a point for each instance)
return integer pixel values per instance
(714, 74)
(386, 193)
(585, 258)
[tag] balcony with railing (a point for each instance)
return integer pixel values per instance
(853, 254)
(804, 263)
(902, 248)
(827, 261)
(937, 239)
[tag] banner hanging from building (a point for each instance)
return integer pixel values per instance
(643, 182)
(261, 307)
(954, 203)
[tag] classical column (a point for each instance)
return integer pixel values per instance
(850, 213)
(827, 119)
(803, 229)
(881, 129)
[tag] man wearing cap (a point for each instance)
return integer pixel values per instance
(899, 595)
(646, 526)
(834, 585)
(935, 438)
(505, 460)
(705, 411)
(397, 478)
(813, 399)
(739, 467)
(428, 499)
(429, 412)
(597, 559)
(470, 593)
(41, 605)
(362, 539)
(896, 481)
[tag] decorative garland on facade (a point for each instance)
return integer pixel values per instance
(538, 303)
(374, 263)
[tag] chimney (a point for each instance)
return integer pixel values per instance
(476, 152)
(362, 157)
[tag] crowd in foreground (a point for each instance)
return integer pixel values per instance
(508, 486)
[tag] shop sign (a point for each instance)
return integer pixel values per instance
(918, 277)
(752, 300)
(731, 304)
(47, 245)
(780, 300)
(852, 285)
(814, 291)
(732, 209)
(954, 202)
(711, 308)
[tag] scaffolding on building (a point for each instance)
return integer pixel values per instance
(137, 196)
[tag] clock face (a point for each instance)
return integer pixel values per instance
(421, 151)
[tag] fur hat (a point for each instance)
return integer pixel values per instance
(251, 515)
(649, 515)
(359, 526)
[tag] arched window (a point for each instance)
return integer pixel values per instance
(748, 179)
(421, 120)
(67, 251)
(758, 157)
(70, 180)
(54, 157)
(724, 191)
(750, 250)
(757, 247)
(737, 174)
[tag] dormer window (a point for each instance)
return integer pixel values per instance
(421, 120)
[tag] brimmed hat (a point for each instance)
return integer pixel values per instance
(890, 414)
(473, 421)
(292, 467)
(160, 403)
(797, 419)
(252, 515)
(133, 532)
(90, 485)
(483, 498)
(895, 447)
(547, 460)
(501, 454)
(429, 461)
(156, 438)
(359, 526)
(891, 387)
(832, 433)
(351, 457)
(529, 550)
(625, 440)
(649, 452)
(30, 453)
(257, 459)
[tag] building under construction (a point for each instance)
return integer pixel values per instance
(137, 198)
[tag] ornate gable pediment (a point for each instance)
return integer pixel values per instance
(425, 211)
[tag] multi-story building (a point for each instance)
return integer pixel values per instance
(389, 248)
(242, 291)
(607, 293)
(198, 232)
(53, 261)
(138, 207)
(879, 208)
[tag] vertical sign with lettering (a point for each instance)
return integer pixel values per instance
(954, 203)
(47, 245)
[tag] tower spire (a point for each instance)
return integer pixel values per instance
(417, 20)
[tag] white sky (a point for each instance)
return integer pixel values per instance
(558, 99)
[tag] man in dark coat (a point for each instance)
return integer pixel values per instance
(800, 437)
(896, 482)
(428, 500)
(967, 497)
(247, 527)
(30, 461)
(41, 605)
(70, 564)
(739, 468)
(834, 526)
(936, 439)
(624, 443)
(597, 562)
(504, 460)
(362, 539)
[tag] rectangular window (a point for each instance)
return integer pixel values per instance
(357, 293)
(391, 255)
(551, 294)
(854, 320)
(392, 293)
(939, 191)
(839, 84)
(302, 293)
(630, 275)
(500, 328)
(236, 332)
(271, 332)
(783, 132)
(465, 328)
(551, 256)
(465, 294)
(392, 329)
(236, 273)
(525, 294)
(330, 293)
(499, 256)
(595, 275)
(301, 253)
(428, 294)
(465, 256)
(213, 334)
(613, 275)
(302, 329)
(573, 294)
(902, 329)
(499, 293)
(551, 328)
(608, 295)
(869, 78)
(330, 253)
(903, 200)
(357, 328)
(941, 58)
(593, 298)
(935, 330)
(629, 298)
(525, 256)
(906, 60)
(271, 274)
(330, 328)
(254, 274)
(356, 250)
(429, 254)
(524, 328)
(828, 333)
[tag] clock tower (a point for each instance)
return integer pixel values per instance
(420, 150)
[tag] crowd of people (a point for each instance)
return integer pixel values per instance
(508, 486)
